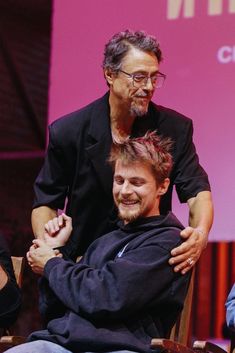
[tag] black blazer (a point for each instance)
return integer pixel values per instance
(76, 167)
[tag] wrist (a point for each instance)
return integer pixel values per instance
(200, 230)
(203, 235)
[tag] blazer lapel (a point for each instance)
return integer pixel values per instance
(99, 149)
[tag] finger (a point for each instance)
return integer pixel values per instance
(50, 227)
(32, 247)
(184, 247)
(185, 266)
(38, 243)
(185, 233)
(47, 229)
(60, 221)
(193, 253)
(186, 269)
(180, 258)
(55, 222)
(28, 257)
(67, 219)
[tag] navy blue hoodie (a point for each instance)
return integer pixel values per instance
(121, 294)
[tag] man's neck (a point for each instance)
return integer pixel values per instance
(121, 121)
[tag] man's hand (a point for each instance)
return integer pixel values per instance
(58, 230)
(200, 220)
(186, 255)
(38, 255)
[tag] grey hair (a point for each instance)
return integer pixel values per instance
(120, 44)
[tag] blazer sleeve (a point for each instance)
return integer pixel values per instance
(189, 176)
(52, 183)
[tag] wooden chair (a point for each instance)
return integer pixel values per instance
(179, 338)
(18, 266)
(207, 347)
(7, 341)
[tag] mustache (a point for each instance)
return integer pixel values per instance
(121, 199)
(143, 94)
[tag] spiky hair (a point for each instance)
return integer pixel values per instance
(150, 149)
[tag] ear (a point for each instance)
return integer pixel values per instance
(108, 74)
(164, 187)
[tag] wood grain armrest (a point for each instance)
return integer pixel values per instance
(12, 340)
(169, 345)
(206, 346)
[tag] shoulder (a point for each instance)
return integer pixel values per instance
(170, 122)
(160, 231)
(73, 122)
(168, 235)
(168, 113)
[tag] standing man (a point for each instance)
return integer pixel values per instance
(105, 305)
(75, 165)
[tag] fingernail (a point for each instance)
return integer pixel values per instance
(171, 261)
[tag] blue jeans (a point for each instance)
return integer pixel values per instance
(41, 346)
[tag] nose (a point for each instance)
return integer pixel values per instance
(148, 84)
(126, 188)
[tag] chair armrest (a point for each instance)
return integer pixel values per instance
(170, 346)
(205, 346)
(12, 340)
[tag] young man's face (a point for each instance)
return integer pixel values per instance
(132, 99)
(135, 191)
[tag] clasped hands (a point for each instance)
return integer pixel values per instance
(57, 232)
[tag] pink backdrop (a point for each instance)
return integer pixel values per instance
(198, 43)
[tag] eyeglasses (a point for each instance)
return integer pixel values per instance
(140, 80)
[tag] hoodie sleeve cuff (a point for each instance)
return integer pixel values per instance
(50, 264)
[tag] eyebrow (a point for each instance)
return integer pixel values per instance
(137, 179)
(116, 176)
(145, 72)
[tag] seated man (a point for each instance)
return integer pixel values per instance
(230, 309)
(10, 295)
(123, 292)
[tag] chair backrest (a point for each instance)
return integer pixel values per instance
(180, 331)
(18, 266)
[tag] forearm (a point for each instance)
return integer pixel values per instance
(201, 213)
(39, 217)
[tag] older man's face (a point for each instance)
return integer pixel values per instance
(133, 99)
